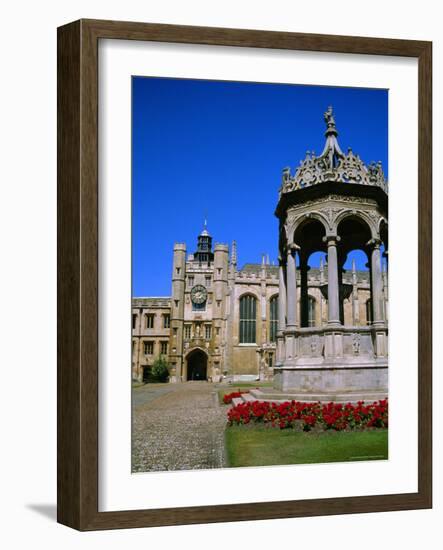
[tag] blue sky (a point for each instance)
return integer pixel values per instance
(216, 149)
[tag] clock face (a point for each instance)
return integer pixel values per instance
(199, 294)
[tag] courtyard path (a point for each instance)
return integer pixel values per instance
(177, 427)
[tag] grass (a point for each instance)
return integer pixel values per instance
(259, 446)
(241, 386)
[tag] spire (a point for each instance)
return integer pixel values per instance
(332, 165)
(331, 152)
(205, 232)
(234, 253)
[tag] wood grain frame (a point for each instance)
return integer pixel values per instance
(77, 404)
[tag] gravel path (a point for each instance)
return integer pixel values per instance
(177, 427)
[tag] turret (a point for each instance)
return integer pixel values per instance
(204, 247)
(177, 309)
(221, 264)
(221, 259)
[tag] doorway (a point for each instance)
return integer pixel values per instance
(197, 365)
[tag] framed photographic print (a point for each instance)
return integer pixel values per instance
(244, 275)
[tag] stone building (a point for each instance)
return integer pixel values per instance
(222, 321)
(205, 341)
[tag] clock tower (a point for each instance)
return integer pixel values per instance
(204, 254)
(198, 310)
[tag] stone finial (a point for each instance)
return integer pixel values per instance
(329, 117)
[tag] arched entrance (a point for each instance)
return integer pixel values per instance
(197, 362)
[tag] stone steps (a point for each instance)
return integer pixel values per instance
(337, 397)
(248, 397)
(237, 401)
(275, 396)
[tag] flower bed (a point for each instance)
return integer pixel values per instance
(309, 416)
(227, 398)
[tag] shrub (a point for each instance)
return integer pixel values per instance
(160, 371)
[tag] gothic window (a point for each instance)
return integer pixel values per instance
(148, 348)
(248, 319)
(208, 332)
(149, 317)
(368, 311)
(311, 311)
(271, 360)
(166, 321)
(134, 320)
(191, 280)
(208, 281)
(163, 348)
(273, 322)
(187, 332)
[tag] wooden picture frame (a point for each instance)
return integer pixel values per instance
(78, 274)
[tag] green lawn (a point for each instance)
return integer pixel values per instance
(241, 386)
(259, 446)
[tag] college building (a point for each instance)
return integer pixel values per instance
(223, 321)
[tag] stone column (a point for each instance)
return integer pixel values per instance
(281, 297)
(355, 303)
(386, 255)
(304, 290)
(333, 291)
(385, 294)
(280, 348)
(376, 282)
(291, 288)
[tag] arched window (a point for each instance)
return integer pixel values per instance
(273, 318)
(311, 311)
(368, 311)
(248, 316)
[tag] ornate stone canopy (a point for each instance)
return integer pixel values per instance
(333, 204)
(333, 166)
